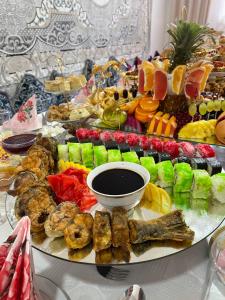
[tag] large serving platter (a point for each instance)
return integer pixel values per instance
(202, 225)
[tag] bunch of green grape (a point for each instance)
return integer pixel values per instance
(205, 107)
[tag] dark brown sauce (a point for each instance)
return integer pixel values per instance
(117, 182)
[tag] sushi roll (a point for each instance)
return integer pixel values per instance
(186, 149)
(165, 174)
(111, 145)
(199, 163)
(218, 187)
(144, 142)
(152, 153)
(156, 144)
(149, 164)
(201, 186)
(131, 157)
(199, 204)
(138, 150)
(164, 156)
(87, 155)
(205, 150)
(214, 166)
(106, 136)
(83, 135)
(132, 139)
(182, 159)
(74, 152)
(119, 137)
(183, 176)
(182, 200)
(124, 148)
(63, 152)
(172, 148)
(100, 155)
(114, 155)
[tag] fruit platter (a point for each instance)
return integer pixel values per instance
(179, 202)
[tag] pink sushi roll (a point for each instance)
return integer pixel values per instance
(94, 134)
(106, 136)
(157, 144)
(172, 148)
(82, 133)
(132, 139)
(119, 137)
(186, 149)
(205, 150)
(144, 142)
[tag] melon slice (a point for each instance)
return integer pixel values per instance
(178, 78)
(170, 127)
(160, 85)
(162, 124)
(149, 70)
(193, 82)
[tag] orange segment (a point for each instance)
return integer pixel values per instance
(160, 85)
(177, 78)
(148, 69)
(208, 69)
(147, 104)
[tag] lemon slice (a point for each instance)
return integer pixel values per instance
(177, 78)
(166, 202)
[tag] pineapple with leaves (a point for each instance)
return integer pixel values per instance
(186, 39)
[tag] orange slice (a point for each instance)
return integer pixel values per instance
(149, 105)
(177, 78)
(149, 70)
(208, 69)
(142, 115)
(154, 122)
(160, 85)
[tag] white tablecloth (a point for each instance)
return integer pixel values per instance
(178, 277)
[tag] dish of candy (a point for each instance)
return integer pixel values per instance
(67, 221)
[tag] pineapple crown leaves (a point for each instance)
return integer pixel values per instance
(186, 38)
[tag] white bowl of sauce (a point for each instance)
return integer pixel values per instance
(118, 184)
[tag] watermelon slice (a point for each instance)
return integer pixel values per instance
(193, 82)
(160, 85)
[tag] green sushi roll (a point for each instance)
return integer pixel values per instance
(165, 174)
(182, 200)
(201, 187)
(87, 155)
(200, 205)
(63, 152)
(100, 155)
(74, 152)
(114, 155)
(149, 164)
(183, 177)
(218, 187)
(131, 157)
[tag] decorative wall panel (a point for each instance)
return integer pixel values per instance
(32, 32)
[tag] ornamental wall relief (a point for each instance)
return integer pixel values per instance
(35, 30)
